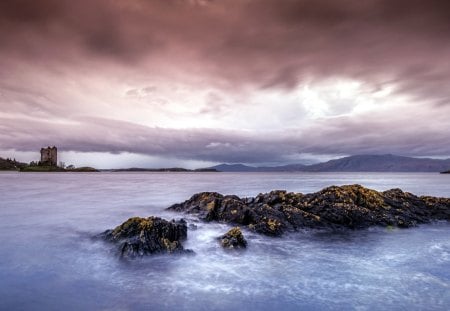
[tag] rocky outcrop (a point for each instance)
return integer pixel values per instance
(351, 206)
(143, 236)
(233, 239)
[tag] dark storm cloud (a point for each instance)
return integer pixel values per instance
(65, 31)
(266, 42)
(102, 135)
(232, 45)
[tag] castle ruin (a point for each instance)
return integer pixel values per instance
(49, 156)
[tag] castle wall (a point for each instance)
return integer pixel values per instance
(49, 156)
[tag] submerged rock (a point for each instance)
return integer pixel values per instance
(233, 239)
(351, 206)
(143, 236)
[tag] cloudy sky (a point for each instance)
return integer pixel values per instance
(191, 83)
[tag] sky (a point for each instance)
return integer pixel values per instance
(194, 82)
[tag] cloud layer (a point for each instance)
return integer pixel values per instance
(226, 81)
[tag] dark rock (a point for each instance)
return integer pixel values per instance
(437, 208)
(212, 206)
(233, 239)
(351, 206)
(203, 204)
(192, 227)
(232, 209)
(143, 236)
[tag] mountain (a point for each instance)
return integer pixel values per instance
(357, 163)
(381, 163)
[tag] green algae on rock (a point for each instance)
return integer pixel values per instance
(233, 239)
(335, 207)
(137, 236)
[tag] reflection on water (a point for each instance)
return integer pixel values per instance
(49, 261)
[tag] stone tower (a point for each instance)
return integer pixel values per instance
(49, 156)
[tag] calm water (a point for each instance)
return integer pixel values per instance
(49, 262)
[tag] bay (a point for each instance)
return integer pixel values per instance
(48, 260)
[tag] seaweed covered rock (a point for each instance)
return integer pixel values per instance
(203, 204)
(143, 236)
(347, 206)
(212, 206)
(233, 239)
(350, 206)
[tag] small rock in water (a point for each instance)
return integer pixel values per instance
(144, 236)
(233, 239)
(192, 227)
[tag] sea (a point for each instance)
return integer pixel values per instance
(49, 259)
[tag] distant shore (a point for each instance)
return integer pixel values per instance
(45, 169)
(357, 163)
(87, 169)
(173, 169)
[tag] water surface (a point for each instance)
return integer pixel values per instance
(48, 260)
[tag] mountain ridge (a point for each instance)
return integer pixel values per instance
(355, 163)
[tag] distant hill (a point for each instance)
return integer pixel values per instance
(357, 163)
(234, 168)
(382, 163)
(247, 168)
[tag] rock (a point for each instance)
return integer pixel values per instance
(335, 207)
(144, 236)
(203, 204)
(212, 206)
(192, 227)
(233, 239)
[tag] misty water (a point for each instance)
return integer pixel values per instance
(48, 260)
